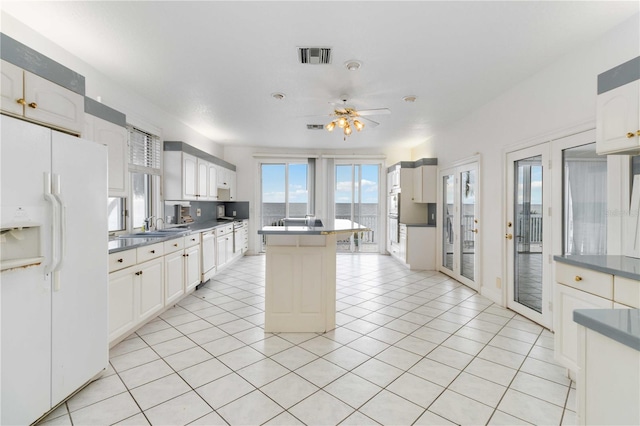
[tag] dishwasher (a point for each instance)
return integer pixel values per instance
(208, 259)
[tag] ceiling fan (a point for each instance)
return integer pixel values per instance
(347, 118)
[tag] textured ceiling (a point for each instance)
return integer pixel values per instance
(214, 65)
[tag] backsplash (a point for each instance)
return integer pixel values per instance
(208, 210)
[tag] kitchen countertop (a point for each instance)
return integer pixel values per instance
(621, 325)
(418, 225)
(121, 244)
(338, 226)
(623, 266)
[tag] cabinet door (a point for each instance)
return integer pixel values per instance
(221, 250)
(223, 178)
(213, 182)
(618, 119)
(189, 177)
(173, 276)
(151, 288)
(116, 140)
(49, 103)
(122, 307)
(232, 184)
(417, 185)
(192, 267)
(203, 180)
(567, 300)
(429, 187)
(11, 87)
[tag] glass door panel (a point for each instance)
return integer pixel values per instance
(468, 223)
(528, 237)
(356, 198)
(528, 233)
(448, 194)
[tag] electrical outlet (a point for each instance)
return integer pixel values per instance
(498, 282)
(234, 213)
(198, 212)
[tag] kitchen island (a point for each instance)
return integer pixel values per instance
(300, 293)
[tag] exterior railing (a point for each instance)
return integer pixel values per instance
(468, 225)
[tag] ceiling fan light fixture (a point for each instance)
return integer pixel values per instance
(331, 126)
(358, 125)
(342, 122)
(410, 98)
(347, 130)
(353, 65)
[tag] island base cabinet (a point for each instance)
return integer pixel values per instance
(300, 286)
(568, 299)
(607, 385)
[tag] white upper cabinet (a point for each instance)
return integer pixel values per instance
(189, 177)
(203, 180)
(35, 98)
(618, 120)
(232, 185)
(424, 184)
(618, 110)
(213, 182)
(115, 138)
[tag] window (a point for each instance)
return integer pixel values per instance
(144, 168)
(585, 201)
(116, 208)
(285, 191)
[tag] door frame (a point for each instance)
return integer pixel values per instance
(455, 169)
(546, 317)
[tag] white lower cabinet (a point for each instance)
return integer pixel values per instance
(192, 267)
(224, 245)
(174, 276)
(582, 288)
(416, 247)
(135, 294)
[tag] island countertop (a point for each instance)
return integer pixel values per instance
(621, 325)
(336, 226)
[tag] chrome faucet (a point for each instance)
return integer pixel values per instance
(147, 223)
(159, 219)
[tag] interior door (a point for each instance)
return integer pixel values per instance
(527, 233)
(460, 223)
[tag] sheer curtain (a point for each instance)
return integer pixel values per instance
(585, 206)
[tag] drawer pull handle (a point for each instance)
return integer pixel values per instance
(578, 278)
(153, 251)
(630, 135)
(175, 245)
(21, 101)
(139, 273)
(33, 105)
(120, 260)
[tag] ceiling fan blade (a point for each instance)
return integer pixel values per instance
(369, 122)
(377, 111)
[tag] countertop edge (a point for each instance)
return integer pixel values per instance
(589, 319)
(584, 263)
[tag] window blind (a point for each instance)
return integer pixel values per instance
(144, 151)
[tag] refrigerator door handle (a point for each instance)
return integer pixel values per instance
(55, 256)
(62, 226)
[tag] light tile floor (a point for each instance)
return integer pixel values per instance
(410, 348)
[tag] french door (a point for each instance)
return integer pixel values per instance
(357, 198)
(459, 223)
(528, 232)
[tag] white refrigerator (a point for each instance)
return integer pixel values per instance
(53, 254)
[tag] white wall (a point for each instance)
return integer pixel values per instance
(139, 110)
(554, 102)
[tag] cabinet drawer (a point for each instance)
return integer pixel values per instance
(121, 259)
(587, 280)
(626, 291)
(224, 230)
(150, 252)
(173, 245)
(192, 240)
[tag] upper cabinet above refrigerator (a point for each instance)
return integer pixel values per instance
(618, 110)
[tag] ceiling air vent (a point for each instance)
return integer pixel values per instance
(314, 55)
(315, 126)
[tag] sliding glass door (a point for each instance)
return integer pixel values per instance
(357, 198)
(459, 223)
